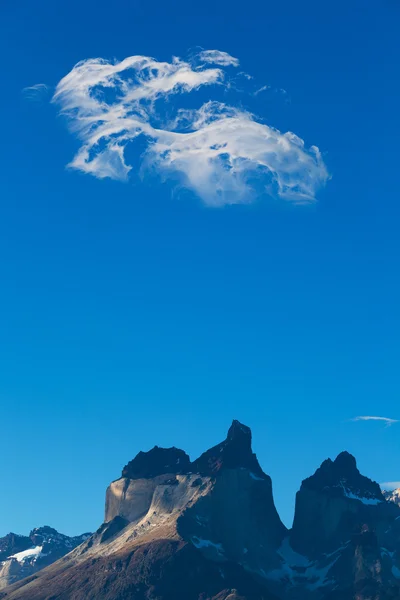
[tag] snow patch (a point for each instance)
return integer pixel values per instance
(255, 477)
(200, 543)
(319, 576)
(297, 569)
(31, 553)
(370, 500)
(292, 557)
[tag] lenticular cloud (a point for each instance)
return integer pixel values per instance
(220, 152)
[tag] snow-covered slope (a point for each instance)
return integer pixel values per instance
(21, 556)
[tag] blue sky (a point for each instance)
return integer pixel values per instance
(134, 313)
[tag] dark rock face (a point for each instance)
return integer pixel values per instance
(333, 504)
(341, 477)
(109, 530)
(237, 520)
(363, 572)
(234, 453)
(13, 543)
(157, 461)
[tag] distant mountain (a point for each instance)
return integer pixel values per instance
(209, 530)
(392, 496)
(331, 503)
(21, 556)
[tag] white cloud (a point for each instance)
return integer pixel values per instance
(390, 485)
(36, 92)
(217, 57)
(264, 88)
(220, 152)
(385, 420)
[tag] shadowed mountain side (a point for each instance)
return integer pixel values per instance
(336, 502)
(161, 570)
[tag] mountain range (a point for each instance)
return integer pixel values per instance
(209, 530)
(21, 556)
(392, 495)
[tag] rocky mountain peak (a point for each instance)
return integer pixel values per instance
(346, 462)
(334, 503)
(341, 477)
(157, 461)
(234, 452)
(239, 434)
(41, 534)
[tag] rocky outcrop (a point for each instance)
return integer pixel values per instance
(23, 556)
(209, 530)
(233, 453)
(217, 513)
(225, 486)
(363, 571)
(342, 545)
(333, 504)
(236, 520)
(157, 461)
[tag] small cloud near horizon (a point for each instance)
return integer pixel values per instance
(36, 92)
(390, 485)
(388, 422)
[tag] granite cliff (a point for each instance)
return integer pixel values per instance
(209, 530)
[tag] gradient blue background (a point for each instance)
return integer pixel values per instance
(130, 317)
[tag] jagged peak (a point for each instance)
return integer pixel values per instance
(346, 462)
(342, 477)
(44, 530)
(49, 535)
(239, 433)
(157, 461)
(234, 452)
(11, 534)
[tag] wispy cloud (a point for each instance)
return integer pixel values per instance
(264, 88)
(388, 422)
(217, 57)
(220, 152)
(390, 485)
(36, 92)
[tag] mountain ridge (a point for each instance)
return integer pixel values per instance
(212, 523)
(22, 556)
